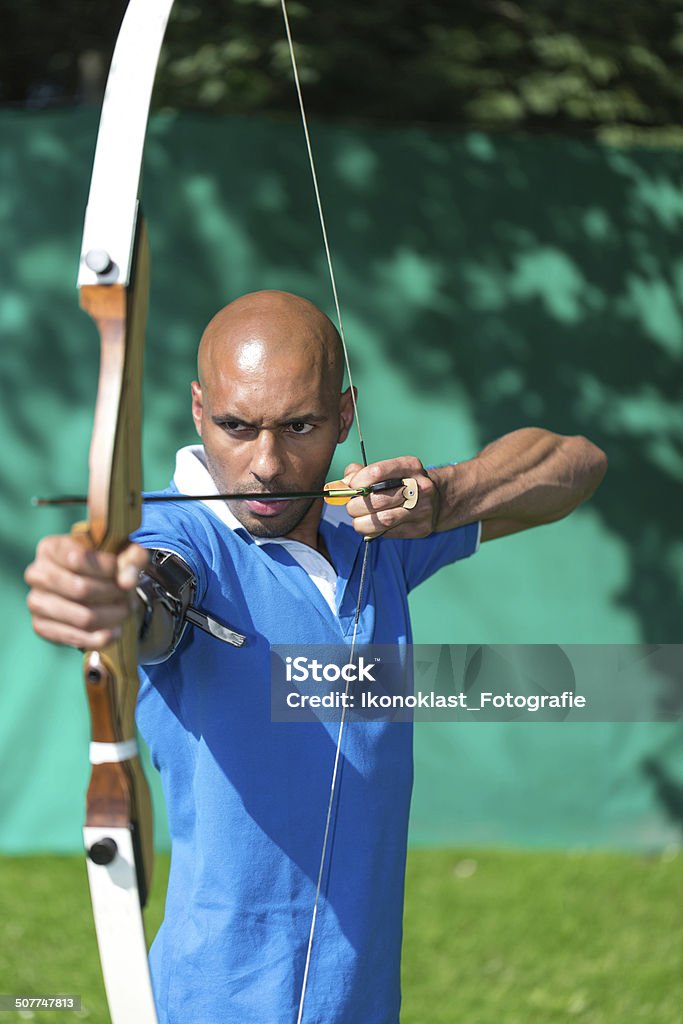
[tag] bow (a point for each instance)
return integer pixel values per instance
(113, 283)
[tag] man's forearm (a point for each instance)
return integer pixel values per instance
(523, 479)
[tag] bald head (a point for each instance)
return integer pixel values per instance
(275, 327)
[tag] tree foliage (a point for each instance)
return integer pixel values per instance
(577, 67)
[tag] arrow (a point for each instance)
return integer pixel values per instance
(332, 494)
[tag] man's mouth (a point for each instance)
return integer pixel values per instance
(268, 507)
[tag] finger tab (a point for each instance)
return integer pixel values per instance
(411, 493)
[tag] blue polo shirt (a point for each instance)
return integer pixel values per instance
(247, 798)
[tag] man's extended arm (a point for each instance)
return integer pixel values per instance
(526, 478)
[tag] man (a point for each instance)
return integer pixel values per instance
(247, 797)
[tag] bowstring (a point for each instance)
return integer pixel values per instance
(366, 545)
(321, 218)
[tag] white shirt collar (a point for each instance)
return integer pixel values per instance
(192, 477)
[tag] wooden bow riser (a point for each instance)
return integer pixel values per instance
(118, 794)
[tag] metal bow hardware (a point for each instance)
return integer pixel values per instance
(113, 283)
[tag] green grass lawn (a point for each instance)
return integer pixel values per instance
(538, 938)
(491, 937)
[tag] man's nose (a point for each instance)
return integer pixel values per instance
(267, 461)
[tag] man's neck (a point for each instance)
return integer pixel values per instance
(308, 532)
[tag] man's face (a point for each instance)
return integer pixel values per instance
(270, 416)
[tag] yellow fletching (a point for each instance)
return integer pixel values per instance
(338, 485)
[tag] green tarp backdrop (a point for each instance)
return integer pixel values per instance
(487, 283)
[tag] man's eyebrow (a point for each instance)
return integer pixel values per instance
(305, 417)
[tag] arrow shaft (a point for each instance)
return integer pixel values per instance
(331, 492)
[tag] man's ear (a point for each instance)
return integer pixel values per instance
(197, 406)
(346, 413)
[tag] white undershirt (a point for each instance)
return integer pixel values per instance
(192, 477)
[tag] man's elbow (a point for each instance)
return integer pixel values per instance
(592, 462)
(586, 465)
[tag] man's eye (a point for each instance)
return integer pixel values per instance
(235, 427)
(300, 427)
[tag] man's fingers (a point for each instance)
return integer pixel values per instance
(51, 578)
(69, 553)
(375, 523)
(131, 561)
(72, 614)
(351, 470)
(388, 469)
(376, 514)
(68, 622)
(379, 501)
(394, 522)
(65, 566)
(58, 633)
(365, 504)
(80, 596)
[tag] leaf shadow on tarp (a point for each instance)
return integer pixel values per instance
(534, 281)
(525, 281)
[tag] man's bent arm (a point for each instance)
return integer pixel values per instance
(526, 478)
